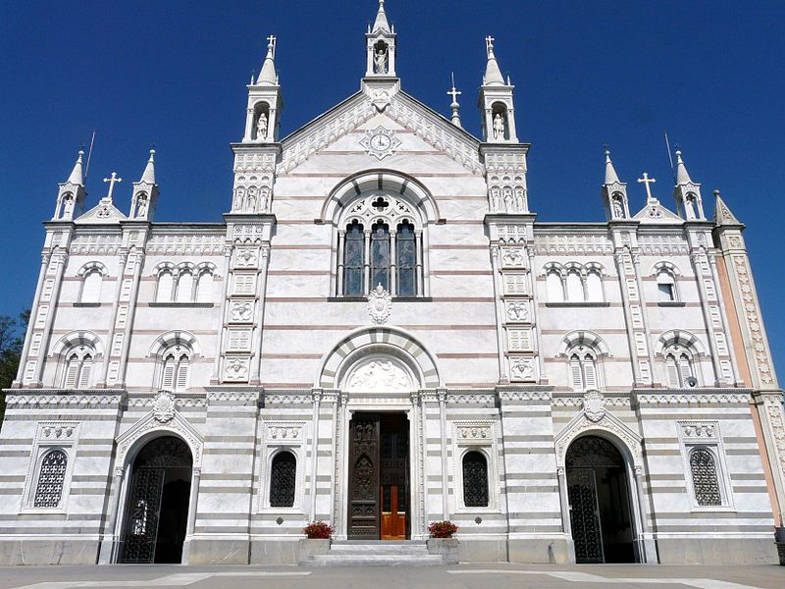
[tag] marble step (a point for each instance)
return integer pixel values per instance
(375, 559)
(381, 548)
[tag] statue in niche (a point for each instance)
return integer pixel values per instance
(495, 198)
(498, 127)
(265, 198)
(508, 204)
(519, 199)
(380, 60)
(261, 127)
(250, 200)
(141, 207)
(618, 209)
(689, 207)
(68, 207)
(239, 197)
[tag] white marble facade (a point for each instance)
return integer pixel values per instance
(507, 336)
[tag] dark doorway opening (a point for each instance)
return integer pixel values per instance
(599, 497)
(156, 512)
(379, 477)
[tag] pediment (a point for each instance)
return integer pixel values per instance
(103, 212)
(654, 212)
(367, 108)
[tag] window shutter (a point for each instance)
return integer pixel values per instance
(577, 377)
(84, 373)
(71, 373)
(91, 288)
(167, 382)
(590, 372)
(685, 368)
(182, 374)
(672, 372)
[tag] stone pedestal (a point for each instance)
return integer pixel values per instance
(447, 548)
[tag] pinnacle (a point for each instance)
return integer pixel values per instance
(77, 174)
(493, 75)
(381, 23)
(268, 76)
(682, 176)
(148, 175)
(611, 176)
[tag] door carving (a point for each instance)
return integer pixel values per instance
(364, 477)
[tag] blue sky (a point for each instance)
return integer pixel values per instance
(173, 73)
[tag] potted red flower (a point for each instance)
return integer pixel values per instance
(316, 541)
(442, 542)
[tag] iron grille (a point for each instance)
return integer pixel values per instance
(51, 477)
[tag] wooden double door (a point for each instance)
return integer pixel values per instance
(379, 476)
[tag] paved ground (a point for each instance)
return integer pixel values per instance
(493, 576)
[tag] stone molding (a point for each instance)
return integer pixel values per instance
(54, 398)
(694, 397)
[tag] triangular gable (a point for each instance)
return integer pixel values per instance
(654, 212)
(350, 114)
(103, 212)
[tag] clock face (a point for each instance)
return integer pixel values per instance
(380, 142)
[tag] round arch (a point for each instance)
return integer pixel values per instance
(367, 343)
(174, 338)
(385, 180)
(78, 338)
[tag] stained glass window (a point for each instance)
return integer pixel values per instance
(704, 477)
(282, 480)
(353, 260)
(380, 256)
(51, 477)
(475, 479)
(406, 259)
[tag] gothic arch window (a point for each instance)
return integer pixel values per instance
(175, 369)
(475, 479)
(380, 241)
(583, 369)
(594, 290)
(92, 275)
(574, 283)
(283, 477)
(554, 285)
(204, 284)
(705, 478)
(185, 286)
(51, 478)
(165, 289)
(679, 368)
(78, 367)
(666, 274)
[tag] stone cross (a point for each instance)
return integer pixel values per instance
(271, 43)
(112, 181)
(648, 182)
(454, 93)
(489, 44)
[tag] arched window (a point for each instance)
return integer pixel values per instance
(78, 368)
(175, 371)
(91, 286)
(554, 286)
(583, 371)
(165, 287)
(51, 476)
(475, 479)
(283, 476)
(594, 287)
(204, 287)
(406, 259)
(705, 481)
(185, 287)
(679, 368)
(354, 260)
(380, 256)
(666, 285)
(574, 287)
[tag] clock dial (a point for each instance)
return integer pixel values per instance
(380, 142)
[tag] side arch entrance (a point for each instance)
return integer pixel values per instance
(600, 502)
(156, 510)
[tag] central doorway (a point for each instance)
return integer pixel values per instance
(156, 513)
(379, 477)
(600, 505)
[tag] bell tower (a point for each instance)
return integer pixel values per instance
(496, 102)
(264, 101)
(380, 47)
(71, 194)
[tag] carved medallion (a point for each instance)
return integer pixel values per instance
(379, 305)
(521, 369)
(380, 142)
(163, 407)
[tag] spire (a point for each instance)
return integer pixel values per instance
(722, 214)
(381, 23)
(611, 177)
(454, 105)
(493, 75)
(268, 76)
(77, 174)
(682, 175)
(148, 175)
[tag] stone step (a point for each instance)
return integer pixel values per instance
(385, 548)
(371, 559)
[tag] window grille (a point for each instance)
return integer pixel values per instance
(49, 490)
(475, 479)
(704, 477)
(283, 476)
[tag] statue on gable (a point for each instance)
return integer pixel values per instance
(68, 207)
(380, 60)
(618, 209)
(141, 208)
(498, 127)
(261, 127)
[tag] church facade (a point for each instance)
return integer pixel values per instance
(381, 335)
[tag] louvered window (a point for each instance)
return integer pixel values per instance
(475, 479)
(678, 369)
(72, 372)
(672, 371)
(704, 477)
(91, 287)
(84, 372)
(78, 369)
(283, 476)
(583, 371)
(174, 376)
(51, 477)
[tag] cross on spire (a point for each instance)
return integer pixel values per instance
(114, 179)
(454, 93)
(648, 182)
(271, 43)
(489, 45)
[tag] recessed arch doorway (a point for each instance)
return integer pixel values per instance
(156, 510)
(600, 502)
